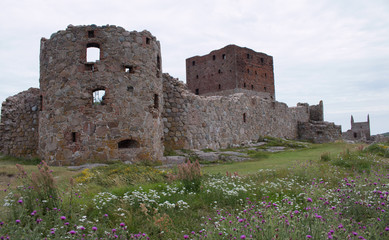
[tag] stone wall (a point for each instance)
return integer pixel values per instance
(319, 131)
(124, 120)
(360, 131)
(198, 122)
(19, 124)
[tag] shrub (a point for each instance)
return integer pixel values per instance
(379, 149)
(325, 157)
(190, 175)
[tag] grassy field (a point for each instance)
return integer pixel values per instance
(324, 191)
(280, 160)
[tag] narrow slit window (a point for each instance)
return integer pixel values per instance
(220, 86)
(74, 137)
(197, 91)
(197, 76)
(156, 101)
(264, 88)
(248, 56)
(128, 143)
(248, 70)
(159, 62)
(244, 117)
(214, 57)
(92, 52)
(40, 103)
(193, 63)
(244, 85)
(252, 87)
(148, 40)
(220, 71)
(224, 56)
(99, 97)
(262, 60)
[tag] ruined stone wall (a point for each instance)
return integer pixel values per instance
(231, 68)
(319, 131)
(198, 122)
(124, 122)
(360, 131)
(19, 124)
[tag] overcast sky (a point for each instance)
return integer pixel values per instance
(336, 50)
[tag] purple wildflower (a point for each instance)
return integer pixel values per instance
(243, 237)
(186, 236)
(94, 229)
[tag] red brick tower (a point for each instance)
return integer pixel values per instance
(230, 70)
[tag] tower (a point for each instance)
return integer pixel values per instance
(101, 91)
(230, 70)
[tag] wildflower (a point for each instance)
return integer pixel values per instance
(113, 230)
(186, 236)
(72, 232)
(309, 199)
(309, 236)
(20, 201)
(387, 229)
(243, 237)
(17, 221)
(63, 218)
(94, 229)
(122, 224)
(39, 220)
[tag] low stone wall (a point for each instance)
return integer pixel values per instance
(319, 131)
(198, 122)
(19, 124)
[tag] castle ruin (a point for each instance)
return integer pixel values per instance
(120, 106)
(360, 131)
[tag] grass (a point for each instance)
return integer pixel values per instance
(279, 160)
(280, 195)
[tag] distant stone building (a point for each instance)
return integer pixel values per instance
(230, 70)
(360, 131)
(119, 106)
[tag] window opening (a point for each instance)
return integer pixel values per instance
(224, 56)
(244, 117)
(264, 88)
(261, 60)
(244, 85)
(40, 103)
(89, 67)
(248, 56)
(98, 97)
(91, 34)
(128, 143)
(265, 75)
(193, 63)
(156, 101)
(197, 76)
(74, 137)
(197, 91)
(252, 87)
(220, 86)
(129, 69)
(256, 73)
(355, 135)
(248, 70)
(92, 52)
(130, 88)
(158, 62)
(219, 71)
(214, 57)
(148, 40)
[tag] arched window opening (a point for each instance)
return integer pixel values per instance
(99, 97)
(128, 143)
(92, 52)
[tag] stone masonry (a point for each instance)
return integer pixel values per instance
(125, 122)
(119, 106)
(19, 124)
(360, 131)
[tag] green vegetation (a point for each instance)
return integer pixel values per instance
(327, 191)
